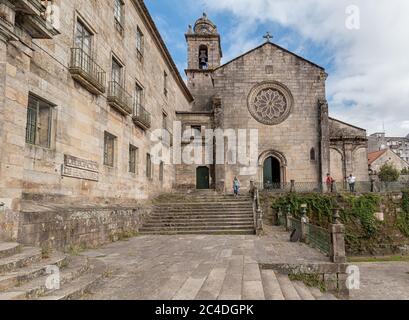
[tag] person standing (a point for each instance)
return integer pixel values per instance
(330, 183)
(236, 187)
(352, 183)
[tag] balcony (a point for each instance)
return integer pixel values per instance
(84, 70)
(119, 99)
(31, 15)
(141, 117)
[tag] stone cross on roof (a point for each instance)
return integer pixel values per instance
(268, 37)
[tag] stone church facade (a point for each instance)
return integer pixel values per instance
(282, 96)
(84, 84)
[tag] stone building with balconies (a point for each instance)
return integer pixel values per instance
(83, 84)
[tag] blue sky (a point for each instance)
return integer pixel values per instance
(368, 82)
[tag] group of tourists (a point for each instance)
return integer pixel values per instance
(331, 186)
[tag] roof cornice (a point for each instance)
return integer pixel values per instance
(141, 7)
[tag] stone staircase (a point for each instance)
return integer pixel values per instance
(200, 213)
(278, 286)
(23, 274)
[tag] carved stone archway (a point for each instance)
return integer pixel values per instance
(280, 158)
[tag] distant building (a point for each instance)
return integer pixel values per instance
(379, 158)
(399, 145)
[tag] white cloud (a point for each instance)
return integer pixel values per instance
(370, 82)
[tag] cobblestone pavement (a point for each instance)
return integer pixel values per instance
(383, 281)
(216, 267)
(193, 267)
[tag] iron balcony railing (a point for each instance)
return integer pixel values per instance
(119, 99)
(85, 70)
(141, 116)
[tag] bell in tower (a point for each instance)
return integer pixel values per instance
(204, 49)
(203, 58)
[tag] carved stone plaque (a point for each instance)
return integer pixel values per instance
(77, 168)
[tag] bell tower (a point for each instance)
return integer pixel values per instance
(204, 55)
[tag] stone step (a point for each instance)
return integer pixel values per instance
(204, 205)
(182, 218)
(204, 211)
(26, 274)
(199, 221)
(26, 257)
(203, 226)
(203, 214)
(200, 232)
(287, 287)
(197, 228)
(303, 291)
(318, 295)
(8, 249)
(272, 290)
(80, 286)
(38, 286)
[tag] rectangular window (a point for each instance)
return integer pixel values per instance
(148, 166)
(83, 38)
(133, 159)
(109, 149)
(39, 122)
(119, 15)
(164, 121)
(161, 171)
(139, 41)
(165, 83)
(117, 68)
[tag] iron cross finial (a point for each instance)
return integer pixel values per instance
(268, 37)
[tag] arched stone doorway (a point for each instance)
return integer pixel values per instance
(272, 169)
(272, 173)
(202, 178)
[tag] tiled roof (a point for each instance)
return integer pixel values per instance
(372, 157)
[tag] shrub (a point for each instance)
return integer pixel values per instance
(389, 173)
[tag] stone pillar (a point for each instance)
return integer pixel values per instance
(219, 169)
(288, 218)
(324, 140)
(338, 253)
(304, 224)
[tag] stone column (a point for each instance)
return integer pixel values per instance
(324, 140)
(338, 253)
(304, 224)
(219, 169)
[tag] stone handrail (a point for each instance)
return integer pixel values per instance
(257, 210)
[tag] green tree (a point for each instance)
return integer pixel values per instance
(389, 173)
(405, 171)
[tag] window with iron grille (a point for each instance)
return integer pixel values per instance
(109, 149)
(133, 159)
(39, 122)
(165, 83)
(161, 171)
(139, 41)
(149, 166)
(119, 15)
(83, 38)
(116, 72)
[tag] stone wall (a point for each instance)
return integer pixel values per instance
(80, 228)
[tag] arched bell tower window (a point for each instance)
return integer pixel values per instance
(203, 57)
(313, 155)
